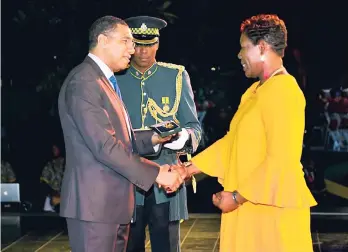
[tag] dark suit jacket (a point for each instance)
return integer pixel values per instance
(101, 168)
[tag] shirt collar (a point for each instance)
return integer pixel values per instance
(105, 69)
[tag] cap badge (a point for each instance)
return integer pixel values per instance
(143, 27)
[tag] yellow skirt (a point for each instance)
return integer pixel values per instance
(260, 228)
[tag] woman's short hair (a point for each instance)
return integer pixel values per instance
(267, 27)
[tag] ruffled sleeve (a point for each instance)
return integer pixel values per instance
(214, 160)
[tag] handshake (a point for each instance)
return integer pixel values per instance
(172, 177)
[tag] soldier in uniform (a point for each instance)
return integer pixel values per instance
(154, 92)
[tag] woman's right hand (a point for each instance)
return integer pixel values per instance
(192, 170)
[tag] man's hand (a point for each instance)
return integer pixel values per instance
(157, 139)
(224, 201)
(168, 179)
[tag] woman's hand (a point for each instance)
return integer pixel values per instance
(224, 200)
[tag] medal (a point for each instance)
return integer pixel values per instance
(165, 102)
(166, 108)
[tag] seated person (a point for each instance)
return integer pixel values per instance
(7, 173)
(51, 180)
(336, 104)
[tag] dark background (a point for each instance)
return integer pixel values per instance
(43, 39)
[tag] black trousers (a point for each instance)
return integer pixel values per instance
(85, 236)
(164, 236)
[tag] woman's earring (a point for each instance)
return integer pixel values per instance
(262, 58)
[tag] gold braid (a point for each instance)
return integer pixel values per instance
(156, 110)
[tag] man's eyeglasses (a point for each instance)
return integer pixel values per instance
(129, 42)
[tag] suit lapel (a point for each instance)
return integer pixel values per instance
(101, 74)
(103, 78)
(108, 86)
(120, 102)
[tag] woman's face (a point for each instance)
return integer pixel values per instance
(250, 57)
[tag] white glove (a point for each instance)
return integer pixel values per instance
(180, 142)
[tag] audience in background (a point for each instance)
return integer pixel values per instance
(51, 180)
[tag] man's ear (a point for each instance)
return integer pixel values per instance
(102, 40)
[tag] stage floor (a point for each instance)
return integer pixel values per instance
(200, 233)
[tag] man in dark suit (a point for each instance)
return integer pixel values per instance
(102, 162)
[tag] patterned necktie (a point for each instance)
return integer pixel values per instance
(116, 88)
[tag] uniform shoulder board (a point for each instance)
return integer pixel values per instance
(172, 66)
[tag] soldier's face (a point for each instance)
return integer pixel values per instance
(145, 56)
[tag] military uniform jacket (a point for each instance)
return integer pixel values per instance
(163, 92)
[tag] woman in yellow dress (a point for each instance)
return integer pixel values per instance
(265, 202)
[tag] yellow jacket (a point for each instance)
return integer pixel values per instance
(260, 157)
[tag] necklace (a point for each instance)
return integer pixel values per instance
(274, 73)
